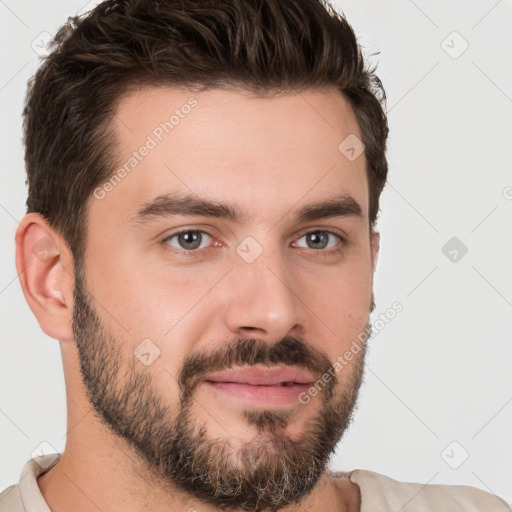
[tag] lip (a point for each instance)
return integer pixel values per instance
(262, 387)
(263, 376)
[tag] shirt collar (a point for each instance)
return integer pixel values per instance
(33, 500)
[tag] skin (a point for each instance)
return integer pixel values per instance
(269, 156)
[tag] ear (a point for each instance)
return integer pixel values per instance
(375, 245)
(45, 270)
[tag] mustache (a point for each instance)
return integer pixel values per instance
(289, 351)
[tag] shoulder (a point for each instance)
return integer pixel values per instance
(10, 500)
(379, 492)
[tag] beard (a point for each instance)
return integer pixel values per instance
(268, 472)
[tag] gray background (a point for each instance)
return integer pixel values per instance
(438, 385)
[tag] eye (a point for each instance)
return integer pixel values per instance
(189, 240)
(319, 240)
(193, 241)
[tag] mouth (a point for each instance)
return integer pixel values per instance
(261, 385)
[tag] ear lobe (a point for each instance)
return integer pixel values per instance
(45, 271)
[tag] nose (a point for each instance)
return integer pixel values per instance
(264, 299)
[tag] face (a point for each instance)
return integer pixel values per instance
(227, 270)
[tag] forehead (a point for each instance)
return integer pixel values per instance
(263, 154)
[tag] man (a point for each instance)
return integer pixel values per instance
(204, 182)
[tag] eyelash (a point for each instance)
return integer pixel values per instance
(317, 253)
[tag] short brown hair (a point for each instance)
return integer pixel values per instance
(262, 46)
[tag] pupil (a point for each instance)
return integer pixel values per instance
(191, 238)
(316, 238)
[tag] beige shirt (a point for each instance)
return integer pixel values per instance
(378, 493)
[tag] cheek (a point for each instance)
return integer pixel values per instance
(146, 299)
(147, 317)
(169, 307)
(344, 289)
(340, 305)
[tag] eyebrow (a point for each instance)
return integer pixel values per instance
(184, 204)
